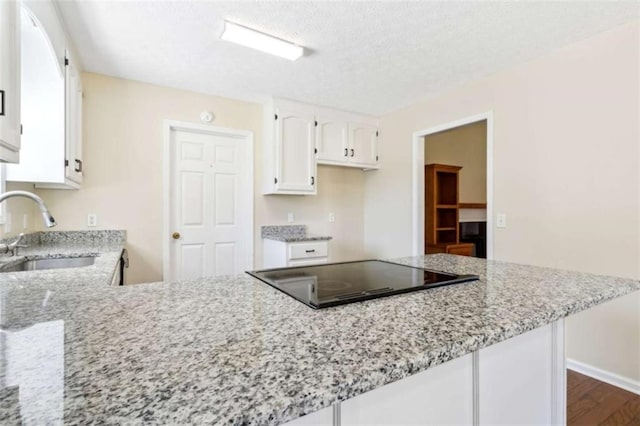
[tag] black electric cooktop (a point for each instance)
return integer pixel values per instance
(331, 284)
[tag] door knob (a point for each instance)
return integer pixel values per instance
(175, 235)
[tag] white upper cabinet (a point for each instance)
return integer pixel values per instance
(51, 154)
(73, 122)
(290, 164)
(298, 136)
(9, 81)
(332, 139)
(346, 139)
(363, 145)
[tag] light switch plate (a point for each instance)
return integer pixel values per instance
(332, 217)
(501, 220)
(92, 220)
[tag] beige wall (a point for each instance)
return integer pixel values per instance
(566, 173)
(123, 179)
(464, 146)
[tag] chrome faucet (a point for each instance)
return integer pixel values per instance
(49, 221)
(13, 246)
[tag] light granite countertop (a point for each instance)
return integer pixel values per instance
(235, 351)
(291, 234)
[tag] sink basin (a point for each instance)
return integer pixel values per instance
(53, 263)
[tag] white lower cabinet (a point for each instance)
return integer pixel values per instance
(520, 381)
(439, 395)
(279, 254)
(322, 417)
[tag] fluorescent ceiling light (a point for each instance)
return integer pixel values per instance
(263, 42)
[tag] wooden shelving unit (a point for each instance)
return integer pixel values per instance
(442, 210)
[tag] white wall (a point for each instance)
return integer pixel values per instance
(123, 173)
(566, 173)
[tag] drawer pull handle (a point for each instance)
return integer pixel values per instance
(310, 251)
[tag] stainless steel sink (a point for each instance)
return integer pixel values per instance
(53, 263)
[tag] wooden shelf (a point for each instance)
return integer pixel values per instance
(472, 205)
(442, 215)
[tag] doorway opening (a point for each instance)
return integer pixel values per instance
(453, 188)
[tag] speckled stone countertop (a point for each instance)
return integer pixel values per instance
(106, 246)
(290, 233)
(236, 351)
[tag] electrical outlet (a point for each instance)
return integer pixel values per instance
(290, 217)
(332, 217)
(92, 219)
(501, 221)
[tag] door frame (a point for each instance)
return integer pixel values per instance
(417, 201)
(245, 136)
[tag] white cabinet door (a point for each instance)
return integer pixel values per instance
(441, 395)
(363, 141)
(51, 104)
(9, 81)
(295, 156)
(333, 141)
(73, 122)
(323, 417)
(521, 380)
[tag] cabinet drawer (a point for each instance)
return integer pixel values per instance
(308, 262)
(306, 250)
(461, 249)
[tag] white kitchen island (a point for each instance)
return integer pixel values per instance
(519, 381)
(235, 351)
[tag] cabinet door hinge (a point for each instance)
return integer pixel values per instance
(275, 180)
(66, 162)
(377, 133)
(316, 123)
(276, 116)
(66, 61)
(315, 150)
(313, 181)
(376, 158)
(21, 129)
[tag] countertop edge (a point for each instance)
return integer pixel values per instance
(434, 358)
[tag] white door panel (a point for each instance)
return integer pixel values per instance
(295, 136)
(332, 141)
(363, 149)
(210, 201)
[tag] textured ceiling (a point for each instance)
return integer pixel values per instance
(370, 57)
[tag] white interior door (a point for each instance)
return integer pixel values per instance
(210, 205)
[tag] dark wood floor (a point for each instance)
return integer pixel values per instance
(592, 402)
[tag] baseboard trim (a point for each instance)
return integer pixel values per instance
(604, 376)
